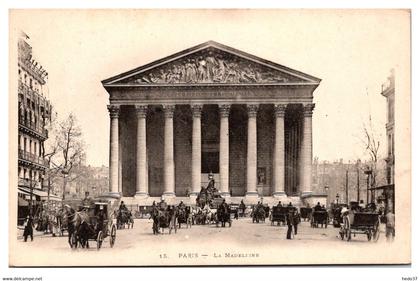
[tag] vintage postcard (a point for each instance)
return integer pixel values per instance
(209, 137)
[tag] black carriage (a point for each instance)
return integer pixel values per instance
(164, 218)
(306, 213)
(95, 223)
(279, 215)
(319, 217)
(360, 223)
(184, 216)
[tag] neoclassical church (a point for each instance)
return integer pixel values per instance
(211, 110)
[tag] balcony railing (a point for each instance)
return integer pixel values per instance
(36, 128)
(25, 155)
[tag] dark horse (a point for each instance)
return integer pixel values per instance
(223, 215)
(82, 230)
(124, 218)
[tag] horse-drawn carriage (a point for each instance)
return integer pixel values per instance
(164, 218)
(360, 223)
(279, 215)
(223, 215)
(94, 222)
(124, 218)
(319, 217)
(337, 218)
(306, 213)
(259, 213)
(184, 215)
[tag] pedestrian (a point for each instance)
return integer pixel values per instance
(28, 231)
(289, 220)
(390, 226)
(296, 220)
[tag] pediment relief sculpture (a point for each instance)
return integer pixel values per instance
(211, 67)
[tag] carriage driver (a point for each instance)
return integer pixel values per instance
(123, 207)
(181, 205)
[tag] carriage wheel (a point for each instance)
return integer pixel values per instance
(347, 231)
(73, 241)
(113, 236)
(376, 231)
(99, 240)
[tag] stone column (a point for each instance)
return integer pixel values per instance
(251, 163)
(168, 158)
(224, 149)
(196, 150)
(279, 167)
(114, 111)
(141, 156)
(306, 150)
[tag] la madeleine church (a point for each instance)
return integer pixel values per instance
(211, 110)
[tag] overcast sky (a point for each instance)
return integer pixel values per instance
(351, 51)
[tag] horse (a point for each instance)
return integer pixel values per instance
(124, 218)
(258, 214)
(82, 230)
(223, 215)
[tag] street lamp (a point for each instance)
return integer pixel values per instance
(326, 192)
(65, 173)
(337, 197)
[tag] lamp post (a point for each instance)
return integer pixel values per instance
(326, 192)
(65, 173)
(337, 197)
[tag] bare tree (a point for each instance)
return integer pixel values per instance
(67, 151)
(372, 145)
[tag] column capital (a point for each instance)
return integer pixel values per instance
(280, 109)
(141, 111)
(196, 110)
(252, 110)
(307, 109)
(224, 110)
(168, 109)
(114, 110)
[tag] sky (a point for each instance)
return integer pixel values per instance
(352, 52)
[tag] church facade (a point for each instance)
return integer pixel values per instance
(211, 110)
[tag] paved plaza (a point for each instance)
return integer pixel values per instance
(203, 243)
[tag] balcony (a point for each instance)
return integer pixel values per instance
(35, 129)
(27, 156)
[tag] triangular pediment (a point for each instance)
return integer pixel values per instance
(211, 63)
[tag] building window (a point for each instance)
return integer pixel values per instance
(24, 144)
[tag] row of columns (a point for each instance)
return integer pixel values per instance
(224, 109)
